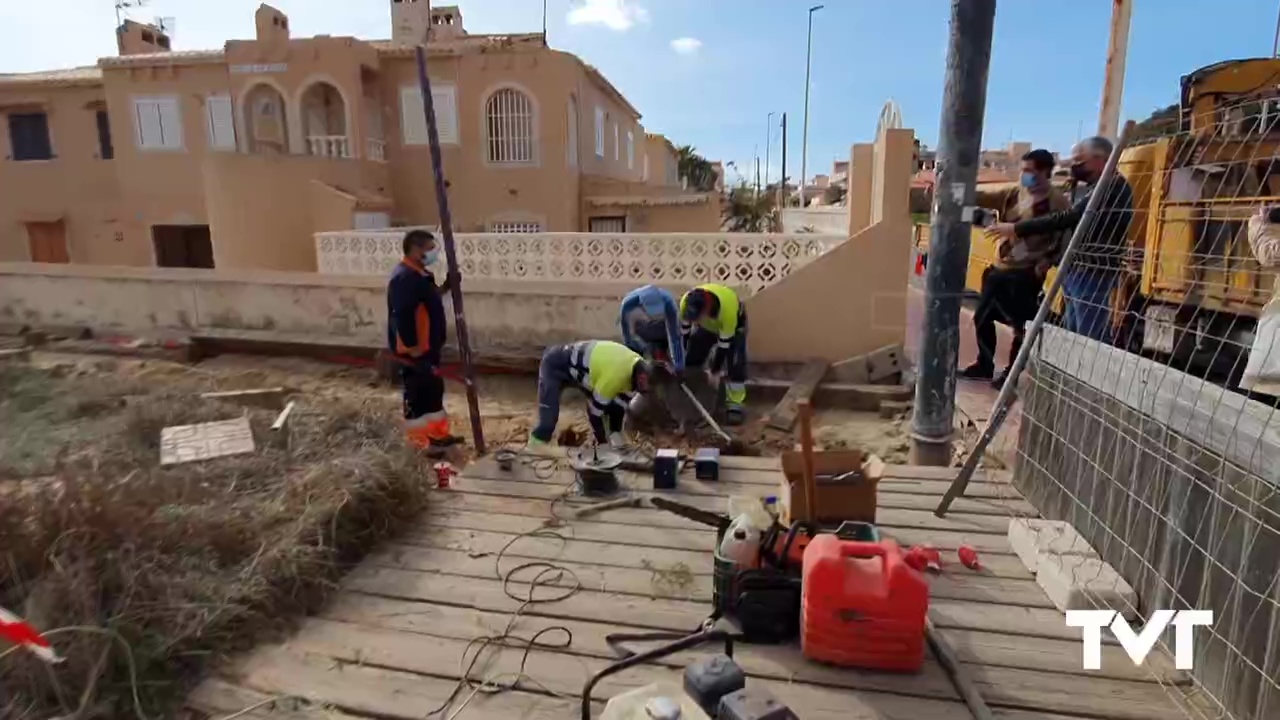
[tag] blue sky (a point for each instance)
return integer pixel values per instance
(737, 60)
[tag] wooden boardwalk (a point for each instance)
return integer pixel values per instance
(390, 643)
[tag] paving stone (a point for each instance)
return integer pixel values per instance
(1075, 582)
(189, 443)
(1033, 539)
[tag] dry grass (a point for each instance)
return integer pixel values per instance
(183, 564)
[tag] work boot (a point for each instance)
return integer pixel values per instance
(540, 448)
(978, 371)
(735, 416)
(447, 441)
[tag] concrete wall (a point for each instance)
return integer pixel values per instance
(850, 301)
(293, 306)
(825, 220)
(1174, 481)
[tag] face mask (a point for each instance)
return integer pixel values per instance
(1029, 180)
(430, 257)
(1080, 172)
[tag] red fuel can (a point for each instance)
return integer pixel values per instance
(862, 605)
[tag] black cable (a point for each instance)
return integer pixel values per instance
(548, 575)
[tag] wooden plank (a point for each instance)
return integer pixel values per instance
(760, 484)
(443, 503)
(548, 492)
(567, 546)
(783, 415)
(379, 692)
(271, 398)
(660, 613)
(778, 662)
(692, 582)
(1063, 656)
(564, 673)
(283, 418)
(1099, 696)
(220, 698)
(608, 532)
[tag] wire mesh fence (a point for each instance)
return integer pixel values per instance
(1147, 415)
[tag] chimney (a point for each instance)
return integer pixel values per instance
(446, 23)
(272, 26)
(134, 38)
(410, 21)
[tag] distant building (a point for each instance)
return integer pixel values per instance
(235, 156)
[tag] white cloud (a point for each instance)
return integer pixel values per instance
(686, 45)
(617, 15)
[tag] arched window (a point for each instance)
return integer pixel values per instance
(509, 127)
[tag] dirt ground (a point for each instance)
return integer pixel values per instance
(508, 403)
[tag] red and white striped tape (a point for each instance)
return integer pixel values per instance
(19, 632)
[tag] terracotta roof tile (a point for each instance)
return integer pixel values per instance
(87, 75)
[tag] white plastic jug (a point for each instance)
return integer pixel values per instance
(741, 543)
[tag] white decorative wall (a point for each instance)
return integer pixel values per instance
(744, 260)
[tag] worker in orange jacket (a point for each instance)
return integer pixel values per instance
(416, 334)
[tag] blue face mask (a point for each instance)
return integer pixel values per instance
(1029, 180)
(430, 257)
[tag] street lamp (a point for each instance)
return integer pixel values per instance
(804, 140)
(768, 145)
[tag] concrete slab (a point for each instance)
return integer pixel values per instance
(189, 443)
(1033, 539)
(1075, 582)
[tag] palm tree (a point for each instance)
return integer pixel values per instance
(751, 211)
(699, 171)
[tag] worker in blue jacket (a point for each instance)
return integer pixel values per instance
(650, 322)
(416, 334)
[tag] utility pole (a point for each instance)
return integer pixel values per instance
(804, 133)
(964, 101)
(1113, 82)
(782, 181)
(450, 254)
(768, 146)
(757, 155)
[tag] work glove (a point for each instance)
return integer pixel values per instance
(713, 377)
(617, 440)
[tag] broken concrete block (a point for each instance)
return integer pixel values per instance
(270, 398)
(1033, 539)
(890, 409)
(189, 443)
(1076, 582)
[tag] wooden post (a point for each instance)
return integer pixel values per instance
(806, 456)
(450, 254)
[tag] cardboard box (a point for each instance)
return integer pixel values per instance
(850, 498)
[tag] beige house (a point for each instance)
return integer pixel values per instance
(235, 157)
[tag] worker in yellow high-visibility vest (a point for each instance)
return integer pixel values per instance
(713, 321)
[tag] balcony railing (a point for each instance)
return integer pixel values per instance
(335, 146)
(376, 149)
(744, 260)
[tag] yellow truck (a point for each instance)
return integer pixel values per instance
(1195, 184)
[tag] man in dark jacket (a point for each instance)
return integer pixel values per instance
(1011, 286)
(416, 333)
(1104, 248)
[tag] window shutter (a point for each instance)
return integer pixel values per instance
(170, 124)
(222, 130)
(445, 100)
(412, 122)
(616, 144)
(599, 131)
(147, 115)
(631, 150)
(573, 133)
